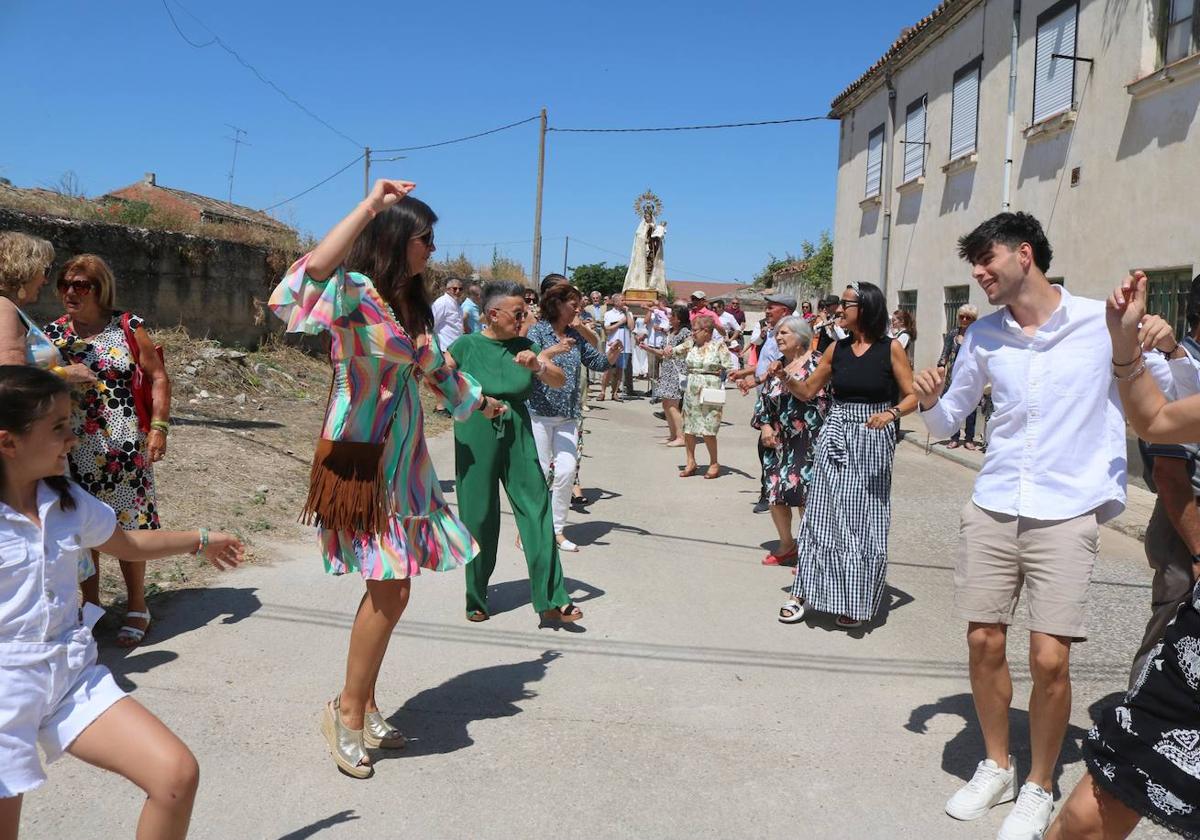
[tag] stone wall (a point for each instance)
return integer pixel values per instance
(210, 286)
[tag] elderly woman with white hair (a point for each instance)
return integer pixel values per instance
(967, 315)
(789, 427)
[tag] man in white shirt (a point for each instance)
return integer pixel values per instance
(618, 327)
(447, 314)
(1054, 469)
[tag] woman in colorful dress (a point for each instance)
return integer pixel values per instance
(115, 453)
(789, 428)
(671, 373)
(25, 264)
(374, 495)
(841, 564)
(705, 358)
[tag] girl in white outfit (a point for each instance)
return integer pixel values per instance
(52, 691)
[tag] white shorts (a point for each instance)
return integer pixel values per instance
(51, 703)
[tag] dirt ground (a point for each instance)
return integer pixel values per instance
(243, 428)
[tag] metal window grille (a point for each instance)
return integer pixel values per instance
(914, 141)
(874, 161)
(956, 296)
(964, 110)
(1054, 78)
(908, 302)
(1168, 294)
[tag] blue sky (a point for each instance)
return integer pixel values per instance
(110, 90)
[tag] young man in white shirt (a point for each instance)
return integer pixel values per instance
(618, 327)
(447, 313)
(1055, 469)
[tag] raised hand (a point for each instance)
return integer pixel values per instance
(1156, 334)
(225, 551)
(558, 349)
(1125, 311)
(927, 386)
(387, 192)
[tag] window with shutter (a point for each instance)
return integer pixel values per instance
(955, 296)
(874, 161)
(1179, 34)
(914, 141)
(1054, 78)
(964, 110)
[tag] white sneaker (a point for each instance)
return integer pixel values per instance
(990, 786)
(1030, 816)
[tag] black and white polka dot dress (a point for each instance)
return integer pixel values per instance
(110, 461)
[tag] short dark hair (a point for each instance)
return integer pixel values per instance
(1011, 230)
(872, 311)
(554, 299)
(828, 301)
(683, 315)
(497, 289)
(1193, 304)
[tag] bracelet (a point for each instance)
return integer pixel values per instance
(541, 368)
(1133, 374)
(895, 411)
(59, 370)
(1126, 364)
(1168, 353)
(203, 542)
(161, 426)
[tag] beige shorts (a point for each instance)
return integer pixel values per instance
(999, 554)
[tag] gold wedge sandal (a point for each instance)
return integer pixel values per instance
(345, 745)
(378, 734)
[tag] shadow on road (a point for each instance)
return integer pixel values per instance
(893, 599)
(175, 613)
(965, 750)
(510, 595)
(436, 721)
(320, 825)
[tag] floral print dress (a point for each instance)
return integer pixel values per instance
(704, 366)
(789, 466)
(110, 461)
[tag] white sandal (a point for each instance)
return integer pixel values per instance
(566, 545)
(792, 612)
(129, 636)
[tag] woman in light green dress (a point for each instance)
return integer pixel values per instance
(705, 357)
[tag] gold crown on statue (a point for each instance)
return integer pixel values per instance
(647, 201)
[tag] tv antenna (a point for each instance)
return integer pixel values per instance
(237, 141)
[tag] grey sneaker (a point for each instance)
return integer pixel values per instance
(1030, 817)
(990, 786)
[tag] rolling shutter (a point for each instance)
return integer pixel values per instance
(914, 141)
(964, 111)
(874, 161)
(1054, 78)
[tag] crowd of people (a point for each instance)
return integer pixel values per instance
(85, 410)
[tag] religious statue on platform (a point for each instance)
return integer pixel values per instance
(646, 273)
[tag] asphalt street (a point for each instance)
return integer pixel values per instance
(678, 708)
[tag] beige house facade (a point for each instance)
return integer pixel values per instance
(1081, 112)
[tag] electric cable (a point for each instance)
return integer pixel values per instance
(314, 186)
(460, 139)
(684, 127)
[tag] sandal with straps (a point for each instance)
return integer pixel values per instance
(845, 622)
(129, 636)
(564, 615)
(792, 612)
(345, 744)
(379, 734)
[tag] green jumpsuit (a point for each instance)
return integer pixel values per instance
(503, 450)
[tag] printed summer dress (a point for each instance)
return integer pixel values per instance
(377, 369)
(704, 366)
(110, 460)
(789, 467)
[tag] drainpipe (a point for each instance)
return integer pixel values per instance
(885, 184)
(1012, 105)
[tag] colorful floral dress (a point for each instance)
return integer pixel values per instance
(789, 466)
(704, 366)
(376, 372)
(110, 460)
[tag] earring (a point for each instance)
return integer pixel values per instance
(21, 293)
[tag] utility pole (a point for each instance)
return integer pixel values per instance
(537, 216)
(237, 141)
(566, 249)
(366, 171)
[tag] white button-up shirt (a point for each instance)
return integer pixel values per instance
(1056, 441)
(40, 570)
(447, 320)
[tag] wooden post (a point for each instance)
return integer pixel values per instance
(536, 274)
(566, 250)
(366, 171)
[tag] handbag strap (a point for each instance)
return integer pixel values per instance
(131, 340)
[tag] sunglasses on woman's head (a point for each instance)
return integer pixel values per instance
(79, 287)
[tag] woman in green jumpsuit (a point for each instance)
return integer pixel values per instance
(489, 453)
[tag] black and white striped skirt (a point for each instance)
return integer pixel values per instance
(842, 568)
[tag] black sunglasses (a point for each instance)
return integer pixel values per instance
(846, 303)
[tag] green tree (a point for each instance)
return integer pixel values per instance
(504, 268)
(818, 270)
(598, 277)
(459, 266)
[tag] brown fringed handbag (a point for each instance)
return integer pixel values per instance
(347, 488)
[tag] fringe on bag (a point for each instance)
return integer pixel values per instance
(347, 489)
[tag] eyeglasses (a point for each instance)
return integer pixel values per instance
(516, 316)
(454, 288)
(79, 287)
(965, 318)
(427, 238)
(846, 303)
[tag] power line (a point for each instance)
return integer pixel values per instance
(461, 139)
(314, 186)
(216, 39)
(685, 127)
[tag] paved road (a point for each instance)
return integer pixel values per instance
(680, 708)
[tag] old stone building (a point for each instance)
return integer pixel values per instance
(1081, 112)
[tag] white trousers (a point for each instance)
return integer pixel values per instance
(557, 440)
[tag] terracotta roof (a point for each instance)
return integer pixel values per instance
(907, 35)
(210, 209)
(794, 267)
(684, 288)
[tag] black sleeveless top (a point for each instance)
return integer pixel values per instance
(867, 378)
